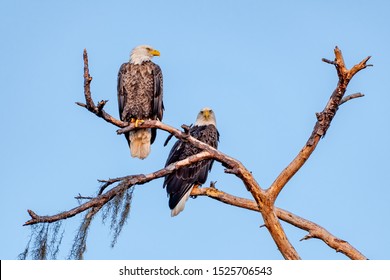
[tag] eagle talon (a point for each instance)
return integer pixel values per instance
(136, 122)
(139, 122)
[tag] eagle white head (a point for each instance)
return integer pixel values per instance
(206, 117)
(142, 53)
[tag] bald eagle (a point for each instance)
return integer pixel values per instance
(140, 97)
(180, 183)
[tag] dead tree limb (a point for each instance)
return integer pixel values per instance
(124, 183)
(89, 104)
(324, 120)
(315, 230)
(351, 96)
(234, 166)
(264, 200)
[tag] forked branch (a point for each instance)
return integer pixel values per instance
(324, 120)
(264, 200)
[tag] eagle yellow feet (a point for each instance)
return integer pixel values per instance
(136, 122)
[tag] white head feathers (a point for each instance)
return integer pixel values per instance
(205, 117)
(142, 53)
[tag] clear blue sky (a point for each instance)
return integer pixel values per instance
(256, 63)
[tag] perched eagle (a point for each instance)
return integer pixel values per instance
(140, 97)
(180, 183)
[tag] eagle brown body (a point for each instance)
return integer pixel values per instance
(140, 97)
(180, 182)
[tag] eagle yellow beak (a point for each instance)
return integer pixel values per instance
(206, 113)
(154, 52)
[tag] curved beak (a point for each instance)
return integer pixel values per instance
(155, 52)
(206, 114)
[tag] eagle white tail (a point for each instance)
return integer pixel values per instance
(182, 203)
(140, 143)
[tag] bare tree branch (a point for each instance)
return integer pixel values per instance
(90, 105)
(124, 183)
(351, 96)
(264, 200)
(315, 230)
(234, 166)
(323, 122)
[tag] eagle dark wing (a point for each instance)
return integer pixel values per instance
(122, 94)
(140, 93)
(182, 180)
(123, 79)
(158, 105)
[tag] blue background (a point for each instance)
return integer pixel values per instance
(256, 63)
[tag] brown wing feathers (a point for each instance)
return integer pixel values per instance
(180, 182)
(140, 93)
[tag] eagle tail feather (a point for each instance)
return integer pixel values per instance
(140, 143)
(182, 203)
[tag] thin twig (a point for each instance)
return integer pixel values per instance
(329, 61)
(351, 96)
(80, 197)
